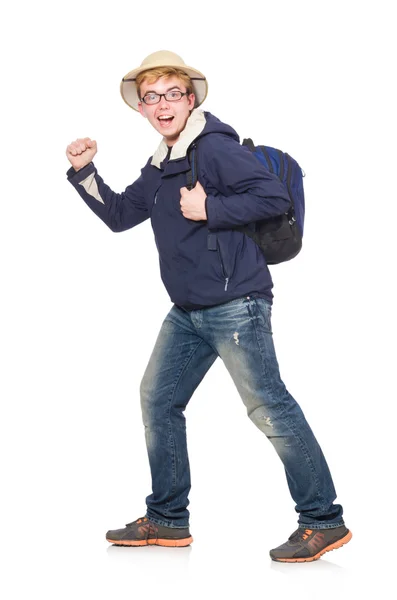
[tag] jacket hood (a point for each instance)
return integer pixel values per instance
(199, 124)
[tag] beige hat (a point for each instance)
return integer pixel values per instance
(162, 58)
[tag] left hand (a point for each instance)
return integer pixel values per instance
(193, 203)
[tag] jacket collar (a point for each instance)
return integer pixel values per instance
(194, 126)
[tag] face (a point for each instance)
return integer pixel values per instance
(179, 111)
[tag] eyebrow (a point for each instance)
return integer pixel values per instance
(169, 89)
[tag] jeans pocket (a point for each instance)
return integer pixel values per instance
(264, 311)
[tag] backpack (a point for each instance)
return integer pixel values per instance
(280, 237)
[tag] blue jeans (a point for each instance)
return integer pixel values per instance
(188, 344)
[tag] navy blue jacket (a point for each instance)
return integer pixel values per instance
(202, 263)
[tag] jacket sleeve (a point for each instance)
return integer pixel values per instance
(118, 211)
(247, 190)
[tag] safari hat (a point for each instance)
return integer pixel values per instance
(162, 58)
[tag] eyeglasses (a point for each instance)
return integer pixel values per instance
(172, 96)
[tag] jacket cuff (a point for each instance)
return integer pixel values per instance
(81, 174)
(211, 212)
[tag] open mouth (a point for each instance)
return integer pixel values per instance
(165, 120)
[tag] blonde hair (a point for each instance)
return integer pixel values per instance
(151, 75)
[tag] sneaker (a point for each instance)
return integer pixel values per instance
(305, 545)
(144, 532)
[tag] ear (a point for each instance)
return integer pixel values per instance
(191, 99)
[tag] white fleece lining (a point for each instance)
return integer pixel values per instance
(91, 187)
(194, 126)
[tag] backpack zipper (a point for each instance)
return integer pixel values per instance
(281, 159)
(266, 155)
(291, 212)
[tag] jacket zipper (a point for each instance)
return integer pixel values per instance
(156, 195)
(223, 268)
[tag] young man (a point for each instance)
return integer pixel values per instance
(220, 286)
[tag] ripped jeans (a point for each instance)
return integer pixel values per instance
(188, 344)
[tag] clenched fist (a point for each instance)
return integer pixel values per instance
(81, 152)
(193, 203)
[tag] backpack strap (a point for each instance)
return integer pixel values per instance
(192, 178)
(191, 175)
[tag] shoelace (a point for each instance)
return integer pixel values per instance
(306, 534)
(150, 529)
(298, 536)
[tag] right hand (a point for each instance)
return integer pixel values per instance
(81, 152)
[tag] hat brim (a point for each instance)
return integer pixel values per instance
(129, 92)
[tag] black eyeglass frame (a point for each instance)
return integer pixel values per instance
(160, 96)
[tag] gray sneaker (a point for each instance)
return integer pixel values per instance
(144, 532)
(305, 545)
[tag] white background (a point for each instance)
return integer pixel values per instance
(81, 306)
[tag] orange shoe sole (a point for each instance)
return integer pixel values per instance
(153, 542)
(333, 546)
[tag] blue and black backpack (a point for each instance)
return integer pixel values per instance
(280, 237)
